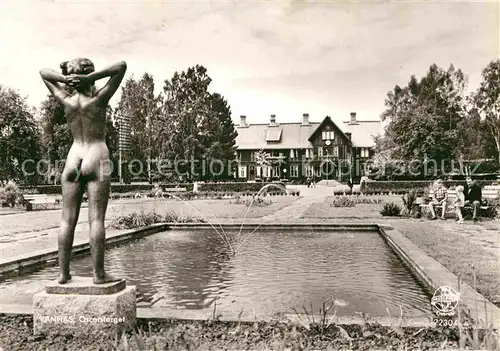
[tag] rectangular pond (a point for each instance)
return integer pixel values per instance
(272, 271)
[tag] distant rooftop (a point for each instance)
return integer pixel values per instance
(295, 135)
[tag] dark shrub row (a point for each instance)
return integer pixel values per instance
(115, 188)
(127, 188)
(239, 187)
(402, 187)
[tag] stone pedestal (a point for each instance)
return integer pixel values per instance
(81, 307)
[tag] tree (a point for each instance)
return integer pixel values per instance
(487, 102)
(187, 111)
(56, 136)
(19, 137)
(139, 104)
(424, 118)
(219, 136)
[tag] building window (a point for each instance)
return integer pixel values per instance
(365, 152)
(330, 135)
(309, 170)
(294, 171)
(258, 171)
(292, 153)
(275, 172)
(265, 172)
(335, 151)
(320, 151)
(309, 153)
(242, 171)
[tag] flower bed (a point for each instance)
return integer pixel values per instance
(145, 218)
(351, 201)
(16, 333)
(251, 201)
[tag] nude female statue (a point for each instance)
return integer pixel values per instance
(87, 163)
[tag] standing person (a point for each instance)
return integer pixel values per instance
(459, 203)
(439, 198)
(473, 197)
(308, 181)
(350, 185)
(88, 163)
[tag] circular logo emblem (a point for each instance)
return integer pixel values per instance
(328, 142)
(445, 300)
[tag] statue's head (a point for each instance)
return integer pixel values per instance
(79, 66)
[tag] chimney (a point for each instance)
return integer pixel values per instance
(305, 119)
(353, 118)
(243, 121)
(272, 120)
(348, 135)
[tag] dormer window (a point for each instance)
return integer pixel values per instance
(328, 135)
(273, 136)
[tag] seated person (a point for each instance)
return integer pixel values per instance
(439, 198)
(473, 195)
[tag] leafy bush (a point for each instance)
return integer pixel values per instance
(343, 201)
(251, 201)
(353, 200)
(409, 200)
(367, 200)
(136, 219)
(145, 218)
(173, 217)
(391, 209)
(11, 194)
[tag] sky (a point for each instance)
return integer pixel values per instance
(265, 57)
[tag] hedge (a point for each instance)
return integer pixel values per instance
(402, 187)
(115, 188)
(239, 187)
(127, 188)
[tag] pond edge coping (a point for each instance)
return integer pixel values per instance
(427, 270)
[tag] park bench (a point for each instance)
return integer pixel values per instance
(163, 192)
(174, 190)
(43, 201)
(489, 193)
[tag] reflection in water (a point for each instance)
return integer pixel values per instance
(274, 272)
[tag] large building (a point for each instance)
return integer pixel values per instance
(297, 150)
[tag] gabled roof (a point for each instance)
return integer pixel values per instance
(325, 122)
(294, 135)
